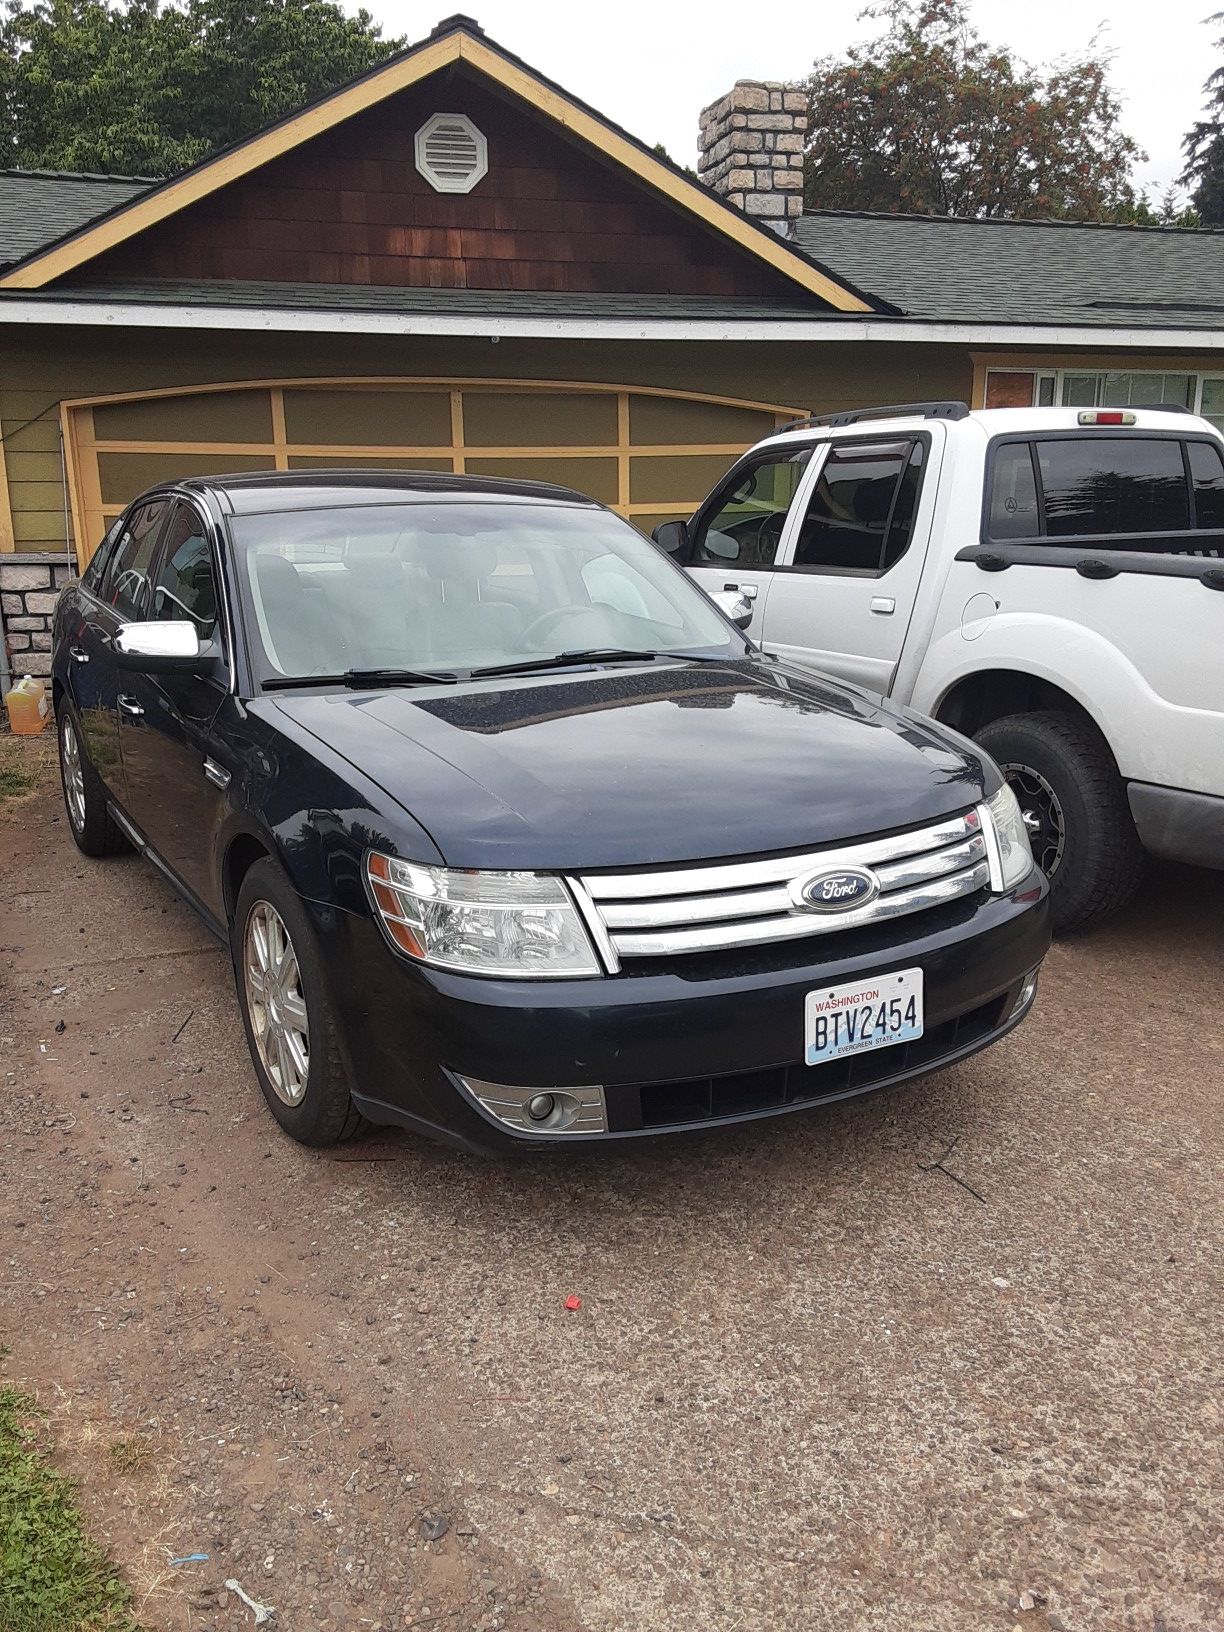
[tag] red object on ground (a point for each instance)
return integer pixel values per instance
(573, 1301)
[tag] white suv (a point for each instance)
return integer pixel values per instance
(1045, 580)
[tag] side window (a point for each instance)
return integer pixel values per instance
(861, 514)
(96, 570)
(125, 585)
(1207, 471)
(1113, 484)
(742, 524)
(184, 585)
(1013, 493)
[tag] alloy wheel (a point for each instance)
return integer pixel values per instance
(276, 1002)
(74, 775)
(1043, 815)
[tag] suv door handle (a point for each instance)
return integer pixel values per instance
(129, 705)
(748, 591)
(883, 605)
(78, 654)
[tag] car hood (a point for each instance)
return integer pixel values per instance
(636, 766)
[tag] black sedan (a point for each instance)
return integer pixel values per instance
(514, 837)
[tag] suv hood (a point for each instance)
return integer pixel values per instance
(632, 767)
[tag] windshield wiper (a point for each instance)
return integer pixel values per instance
(358, 679)
(591, 654)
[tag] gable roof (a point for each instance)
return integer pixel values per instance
(457, 40)
(39, 206)
(964, 270)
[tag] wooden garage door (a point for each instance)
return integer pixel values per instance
(650, 454)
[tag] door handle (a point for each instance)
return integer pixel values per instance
(130, 706)
(883, 605)
(748, 591)
(78, 654)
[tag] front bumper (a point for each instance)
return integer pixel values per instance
(679, 1043)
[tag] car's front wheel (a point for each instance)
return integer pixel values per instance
(92, 827)
(290, 1021)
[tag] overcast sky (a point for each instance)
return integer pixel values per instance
(653, 64)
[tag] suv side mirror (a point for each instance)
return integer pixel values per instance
(671, 537)
(159, 647)
(733, 605)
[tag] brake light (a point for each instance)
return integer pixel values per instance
(1106, 416)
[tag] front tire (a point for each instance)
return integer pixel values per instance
(89, 821)
(290, 1021)
(1075, 808)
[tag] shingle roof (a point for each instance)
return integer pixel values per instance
(38, 206)
(971, 271)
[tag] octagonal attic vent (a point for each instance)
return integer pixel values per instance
(451, 153)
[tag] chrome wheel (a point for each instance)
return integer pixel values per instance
(74, 775)
(1042, 812)
(276, 1002)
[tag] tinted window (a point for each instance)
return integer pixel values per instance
(184, 586)
(1112, 484)
(861, 513)
(96, 570)
(1013, 493)
(1207, 469)
(743, 525)
(126, 582)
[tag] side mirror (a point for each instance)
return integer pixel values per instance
(671, 537)
(159, 647)
(733, 605)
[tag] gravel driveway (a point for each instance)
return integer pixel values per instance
(887, 1367)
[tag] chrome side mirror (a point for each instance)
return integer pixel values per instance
(733, 605)
(158, 646)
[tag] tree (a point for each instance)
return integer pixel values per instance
(932, 119)
(147, 89)
(1204, 147)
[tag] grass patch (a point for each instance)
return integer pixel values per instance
(14, 782)
(53, 1578)
(24, 762)
(130, 1454)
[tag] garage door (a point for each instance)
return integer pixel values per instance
(650, 454)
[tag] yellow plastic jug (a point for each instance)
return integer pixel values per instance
(28, 708)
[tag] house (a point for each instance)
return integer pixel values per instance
(453, 263)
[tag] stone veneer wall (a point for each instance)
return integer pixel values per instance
(29, 588)
(751, 147)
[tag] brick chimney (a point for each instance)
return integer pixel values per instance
(751, 150)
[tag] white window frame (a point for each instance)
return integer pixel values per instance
(1059, 375)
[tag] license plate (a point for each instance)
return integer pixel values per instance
(862, 1015)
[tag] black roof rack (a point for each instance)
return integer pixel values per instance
(896, 410)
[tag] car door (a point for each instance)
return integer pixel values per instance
(734, 539)
(111, 594)
(176, 777)
(846, 581)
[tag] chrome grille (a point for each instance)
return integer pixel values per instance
(664, 913)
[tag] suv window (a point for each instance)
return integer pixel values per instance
(743, 521)
(125, 585)
(96, 570)
(1113, 484)
(184, 585)
(1013, 493)
(1207, 471)
(860, 517)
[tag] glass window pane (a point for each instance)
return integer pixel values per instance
(1113, 484)
(851, 504)
(901, 527)
(1045, 390)
(1212, 406)
(1013, 493)
(744, 520)
(1080, 390)
(126, 586)
(1207, 468)
(184, 586)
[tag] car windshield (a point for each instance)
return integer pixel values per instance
(456, 586)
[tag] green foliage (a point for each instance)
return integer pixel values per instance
(932, 119)
(147, 89)
(1204, 146)
(52, 1577)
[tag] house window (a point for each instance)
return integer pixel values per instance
(1106, 388)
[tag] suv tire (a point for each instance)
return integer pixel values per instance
(289, 1017)
(1065, 778)
(93, 829)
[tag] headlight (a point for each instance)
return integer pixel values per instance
(483, 923)
(1015, 855)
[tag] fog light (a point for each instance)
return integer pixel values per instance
(1028, 992)
(541, 1110)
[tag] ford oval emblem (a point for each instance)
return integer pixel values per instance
(838, 890)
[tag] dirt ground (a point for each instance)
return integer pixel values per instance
(887, 1367)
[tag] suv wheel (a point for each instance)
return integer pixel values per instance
(95, 833)
(1075, 808)
(287, 1010)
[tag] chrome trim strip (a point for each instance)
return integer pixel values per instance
(993, 857)
(901, 874)
(596, 926)
(775, 869)
(797, 925)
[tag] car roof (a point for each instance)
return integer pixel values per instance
(261, 492)
(994, 422)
